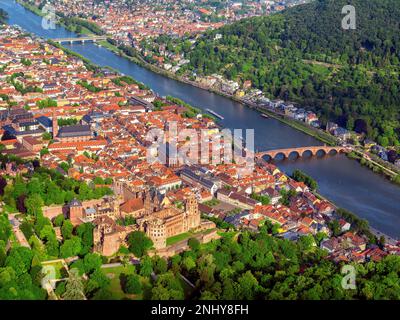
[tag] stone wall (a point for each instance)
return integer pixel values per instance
(183, 245)
(53, 211)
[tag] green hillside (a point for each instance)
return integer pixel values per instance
(304, 55)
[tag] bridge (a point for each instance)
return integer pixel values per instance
(80, 39)
(301, 151)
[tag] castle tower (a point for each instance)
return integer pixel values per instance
(192, 212)
(155, 230)
(147, 203)
(75, 212)
(55, 125)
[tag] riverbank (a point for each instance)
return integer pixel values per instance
(313, 132)
(138, 59)
(376, 167)
(340, 179)
(40, 13)
(318, 134)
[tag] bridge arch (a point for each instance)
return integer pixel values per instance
(333, 152)
(320, 152)
(277, 155)
(296, 154)
(301, 152)
(307, 153)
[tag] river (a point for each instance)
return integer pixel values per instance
(340, 179)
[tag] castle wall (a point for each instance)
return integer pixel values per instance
(52, 211)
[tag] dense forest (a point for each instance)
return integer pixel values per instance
(259, 266)
(305, 56)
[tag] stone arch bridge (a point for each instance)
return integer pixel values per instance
(301, 151)
(80, 39)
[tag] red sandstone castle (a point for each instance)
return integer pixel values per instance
(154, 214)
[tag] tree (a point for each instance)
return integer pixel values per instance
(335, 227)
(108, 181)
(160, 265)
(139, 243)
(34, 204)
(67, 229)
(40, 222)
(194, 244)
(92, 262)
(5, 228)
(19, 259)
(3, 184)
(189, 263)
(132, 284)
(58, 221)
(71, 247)
(350, 123)
(319, 237)
(47, 233)
(392, 156)
(306, 242)
(248, 285)
(97, 280)
(360, 126)
(146, 267)
(52, 247)
(85, 232)
(46, 136)
(98, 180)
(44, 151)
(74, 288)
(167, 287)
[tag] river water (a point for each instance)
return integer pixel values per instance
(340, 179)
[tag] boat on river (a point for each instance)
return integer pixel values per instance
(215, 114)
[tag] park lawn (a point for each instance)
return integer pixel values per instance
(57, 265)
(115, 284)
(177, 238)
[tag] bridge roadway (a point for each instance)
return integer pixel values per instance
(80, 39)
(300, 151)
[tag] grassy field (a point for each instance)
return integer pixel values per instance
(179, 237)
(115, 285)
(57, 265)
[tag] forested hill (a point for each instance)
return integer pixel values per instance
(304, 55)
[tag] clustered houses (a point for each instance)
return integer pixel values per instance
(130, 23)
(88, 125)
